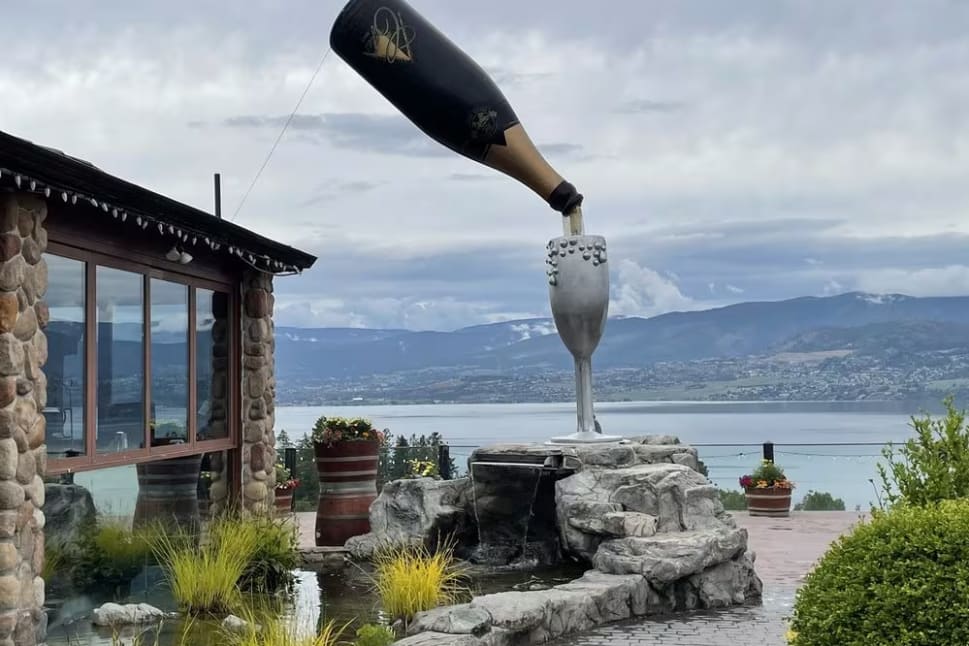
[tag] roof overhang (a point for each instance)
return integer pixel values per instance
(26, 166)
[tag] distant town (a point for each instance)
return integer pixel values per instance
(817, 376)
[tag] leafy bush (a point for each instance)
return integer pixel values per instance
(108, 555)
(900, 579)
(733, 500)
(412, 579)
(373, 635)
(334, 430)
(408, 458)
(204, 575)
(933, 466)
(275, 556)
(767, 474)
(820, 501)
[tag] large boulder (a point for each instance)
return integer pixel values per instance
(68, 512)
(418, 511)
(666, 558)
(676, 496)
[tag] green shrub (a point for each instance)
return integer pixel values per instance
(769, 473)
(108, 555)
(933, 466)
(820, 501)
(412, 579)
(900, 580)
(373, 635)
(733, 500)
(204, 574)
(275, 557)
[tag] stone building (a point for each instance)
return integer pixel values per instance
(136, 362)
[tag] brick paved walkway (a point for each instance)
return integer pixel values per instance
(786, 550)
(755, 626)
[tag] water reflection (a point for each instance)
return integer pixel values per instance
(344, 596)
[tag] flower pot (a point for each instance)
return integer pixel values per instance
(773, 502)
(348, 485)
(284, 501)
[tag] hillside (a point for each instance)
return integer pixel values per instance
(530, 346)
(853, 346)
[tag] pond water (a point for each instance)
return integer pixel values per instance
(343, 595)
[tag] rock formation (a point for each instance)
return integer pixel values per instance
(640, 513)
(418, 511)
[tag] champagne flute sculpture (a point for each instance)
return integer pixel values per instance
(452, 100)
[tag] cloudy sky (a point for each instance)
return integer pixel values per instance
(727, 151)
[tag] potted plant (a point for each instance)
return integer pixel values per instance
(768, 491)
(346, 450)
(285, 488)
(422, 469)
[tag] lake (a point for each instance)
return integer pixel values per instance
(824, 446)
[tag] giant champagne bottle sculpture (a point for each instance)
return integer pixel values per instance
(448, 96)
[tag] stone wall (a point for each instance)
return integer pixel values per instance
(23, 394)
(218, 409)
(258, 394)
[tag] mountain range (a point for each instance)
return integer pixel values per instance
(853, 321)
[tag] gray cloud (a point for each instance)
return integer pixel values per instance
(329, 191)
(471, 177)
(642, 106)
(560, 149)
(722, 143)
(386, 134)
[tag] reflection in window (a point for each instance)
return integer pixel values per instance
(169, 363)
(121, 361)
(212, 363)
(65, 360)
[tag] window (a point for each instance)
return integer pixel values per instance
(169, 363)
(65, 357)
(121, 361)
(151, 376)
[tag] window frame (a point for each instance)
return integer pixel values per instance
(215, 281)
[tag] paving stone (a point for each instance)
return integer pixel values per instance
(763, 625)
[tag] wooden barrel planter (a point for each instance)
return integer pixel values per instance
(284, 501)
(773, 502)
(168, 492)
(348, 485)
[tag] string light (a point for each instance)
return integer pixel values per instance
(260, 262)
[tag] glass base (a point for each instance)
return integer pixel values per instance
(586, 437)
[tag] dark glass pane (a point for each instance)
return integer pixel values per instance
(65, 358)
(121, 361)
(169, 363)
(212, 363)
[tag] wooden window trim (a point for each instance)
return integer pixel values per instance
(97, 254)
